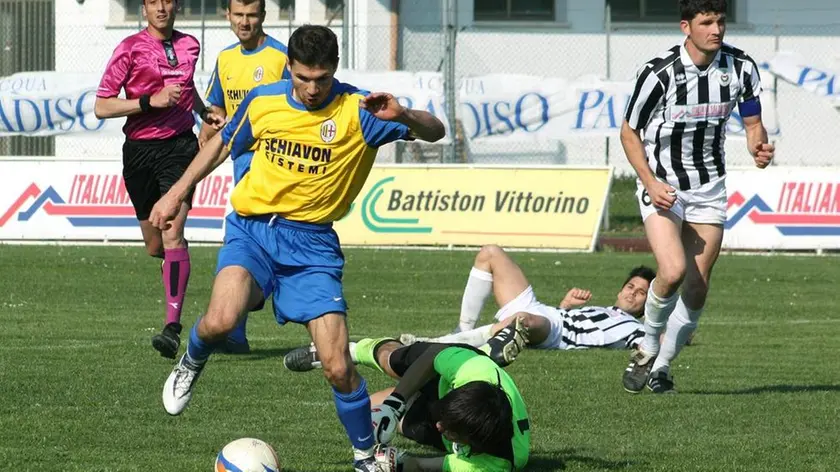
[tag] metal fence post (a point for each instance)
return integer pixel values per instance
(345, 33)
(776, 41)
(203, 44)
(605, 223)
(450, 89)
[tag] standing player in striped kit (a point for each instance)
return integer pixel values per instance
(673, 135)
(155, 67)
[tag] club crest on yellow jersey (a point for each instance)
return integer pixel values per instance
(328, 130)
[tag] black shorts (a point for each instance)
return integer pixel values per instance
(151, 167)
(417, 423)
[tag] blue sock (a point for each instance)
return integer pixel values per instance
(354, 413)
(198, 351)
(238, 333)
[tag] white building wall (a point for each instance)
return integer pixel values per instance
(87, 33)
(574, 45)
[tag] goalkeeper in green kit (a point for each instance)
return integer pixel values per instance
(455, 398)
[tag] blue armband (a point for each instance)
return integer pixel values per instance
(751, 107)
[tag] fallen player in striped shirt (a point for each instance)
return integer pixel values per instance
(571, 325)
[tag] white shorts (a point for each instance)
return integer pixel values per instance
(704, 204)
(526, 302)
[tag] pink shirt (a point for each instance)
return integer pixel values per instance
(139, 65)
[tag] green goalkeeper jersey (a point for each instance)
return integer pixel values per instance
(458, 366)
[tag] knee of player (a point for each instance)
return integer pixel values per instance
(670, 275)
(337, 370)
(538, 328)
(155, 248)
(216, 323)
(173, 238)
(488, 253)
(532, 322)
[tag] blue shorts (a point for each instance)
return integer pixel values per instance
(300, 264)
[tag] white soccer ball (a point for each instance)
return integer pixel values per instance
(247, 455)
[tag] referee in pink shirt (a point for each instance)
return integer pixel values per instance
(156, 67)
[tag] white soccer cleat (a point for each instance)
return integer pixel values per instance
(178, 388)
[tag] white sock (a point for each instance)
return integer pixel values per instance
(657, 311)
(682, 323)
(479, 286)
(362, 454)
(353, 357)
(474, 337)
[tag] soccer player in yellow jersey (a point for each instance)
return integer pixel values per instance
(256, 59)
(314, 141)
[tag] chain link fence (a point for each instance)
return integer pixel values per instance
(416, 36)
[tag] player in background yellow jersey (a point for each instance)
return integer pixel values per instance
(255, 59)
(314, 141)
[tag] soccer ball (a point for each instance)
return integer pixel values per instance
(247, 455)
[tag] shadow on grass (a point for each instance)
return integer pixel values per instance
(546, 461)
(260, 354)
(770, 389)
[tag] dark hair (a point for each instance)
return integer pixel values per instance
(691, 8)
(644, 272)
(313, 45)
(248, 2)
(479, 414)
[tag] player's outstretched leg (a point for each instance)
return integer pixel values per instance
(479, 287)
(663, 230)
(306, 358)
(352, 402)
(702, 245)
(504, 347)
(234, 290)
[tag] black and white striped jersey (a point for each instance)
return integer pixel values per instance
(682, 111)
(596, 326)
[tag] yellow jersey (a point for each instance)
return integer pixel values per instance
(308, 164)
(240, 70)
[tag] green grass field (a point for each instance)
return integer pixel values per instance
(80, 386)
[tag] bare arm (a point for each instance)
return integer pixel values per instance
(208, 131)
(661, 194)
(761, 151)
(423, 125)
(211, 155)
(574, 298)
(756, 132)
(208, 116)
(634, 149)
(208, 158)
(115, 107)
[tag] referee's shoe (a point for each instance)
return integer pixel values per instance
(168, 341)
